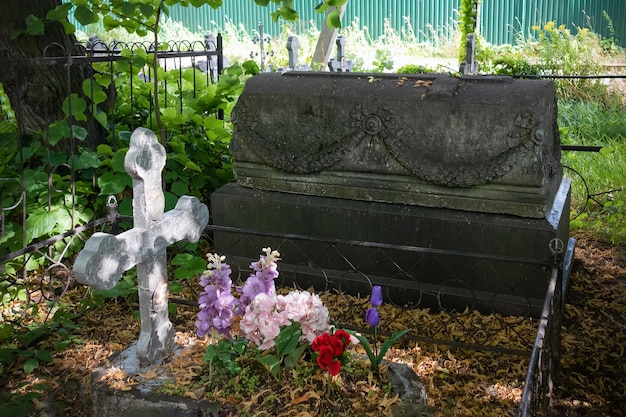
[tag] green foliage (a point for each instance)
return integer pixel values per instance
(225, 355)
(414, 69)
(468, 15)
(288, 350)
(598, 194)
(376, 356)
(559, 52)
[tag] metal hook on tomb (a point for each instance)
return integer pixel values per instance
(112, 213)
(557, 248)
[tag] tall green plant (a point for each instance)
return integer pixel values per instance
(468, 20)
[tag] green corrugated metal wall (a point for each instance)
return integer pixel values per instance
(500, 20)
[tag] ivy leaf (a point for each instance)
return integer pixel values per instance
(113, 183)
(84, 15)
(189, 266)
(79, 132)
(39, 223)
(30, 365)
(74, 105)
(87, 159)
(34, 26)
(102, 118)
(58, 130)
(59, 13)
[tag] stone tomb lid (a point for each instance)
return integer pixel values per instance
(431, 134)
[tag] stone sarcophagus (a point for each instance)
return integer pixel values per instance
(468, 167)
(478, 144)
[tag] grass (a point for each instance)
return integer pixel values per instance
(599, 179)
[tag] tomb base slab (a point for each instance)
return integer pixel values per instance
(422, 256)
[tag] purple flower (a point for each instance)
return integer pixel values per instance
(376, 299)
(372, 318)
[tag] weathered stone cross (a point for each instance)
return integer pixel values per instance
(106, 257)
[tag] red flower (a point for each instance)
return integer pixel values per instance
(334, 368)
(329, 348)
(325, 357)
(343, 336)
(337, 345)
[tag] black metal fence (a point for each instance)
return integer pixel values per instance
(537, 339)
(50, 176)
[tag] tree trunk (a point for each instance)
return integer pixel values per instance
(36, 92)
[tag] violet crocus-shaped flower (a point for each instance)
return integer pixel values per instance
(376, 300)
(372, 317)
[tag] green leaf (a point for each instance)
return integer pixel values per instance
(84, 15)
(113, 183)
(292, 359)
(59, 13)
(262, 2)
(58, 130)
(146, 9)
(366, 346)
(189, 266)
(6, 332)
(272, 363)
(87, 159)
(389, 342)
(179, 188)
(34, 26)
(117, 162)
(334, 19)
(322, 7)
(102, 118)
(39, 223)
(210, 353)
(43, 355)
(288, 339)
(74, 105)
(79, 132)
(175, 287)
(30, 365)
(127, 9)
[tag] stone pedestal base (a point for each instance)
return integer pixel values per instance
(427, 257)
(144, 398)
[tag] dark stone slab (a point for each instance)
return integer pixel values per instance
(492, 262)
(488, 144)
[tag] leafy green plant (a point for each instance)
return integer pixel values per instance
(225, 354)
(288, 350)
(468, 15)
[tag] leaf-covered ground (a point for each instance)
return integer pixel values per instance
(458, 382)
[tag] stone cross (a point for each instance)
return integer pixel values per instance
(292, 50)
(469, 66)
(106, 257)
(341, 64)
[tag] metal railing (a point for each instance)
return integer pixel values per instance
(92, 59)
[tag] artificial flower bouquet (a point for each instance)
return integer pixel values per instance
(289, 335)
